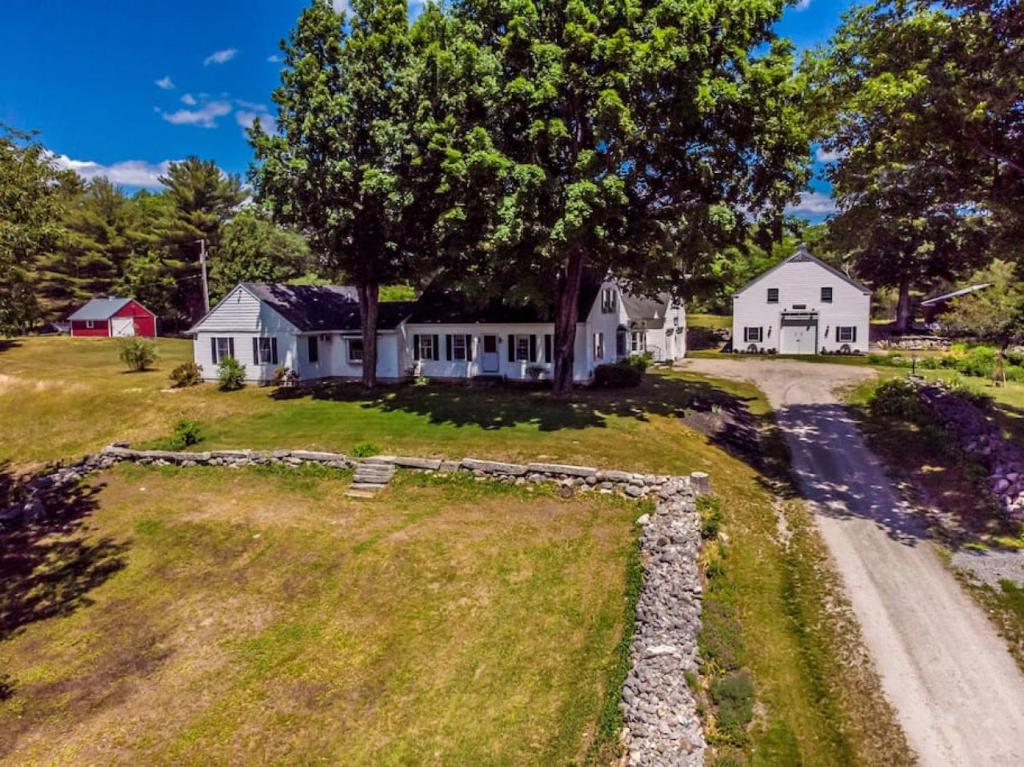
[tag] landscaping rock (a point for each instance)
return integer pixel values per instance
(567, 470)
(494, 467)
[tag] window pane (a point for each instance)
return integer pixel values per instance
(773, 295)
(459, 347)
(523, 348)
(355, 350)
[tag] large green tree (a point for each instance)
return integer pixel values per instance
(203, 198)
(638, 137)
(33, 192)
(341, 166)
(253, 249)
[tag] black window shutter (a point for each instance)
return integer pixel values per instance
(511, 348)
(854, 329)
(255, 351)
(436, 351)
(547, 347)
(231, 347)
(533, 348)
(469, 348)
(415, 347)
(448, 347)
(273, 351)
(213, 350)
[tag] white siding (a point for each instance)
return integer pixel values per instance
(661, 347)
(799, 284)
(334, 358)
(286, 353)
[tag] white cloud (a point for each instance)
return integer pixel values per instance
(126, 173)
(164, 82)
(341, 5)
(220, 57)
(275, 58)
(204, 117)
(802, 5)
(823, 155)
(814, 204)
(246, 117)
(189, 99)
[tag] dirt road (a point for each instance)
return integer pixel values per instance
(957, 692)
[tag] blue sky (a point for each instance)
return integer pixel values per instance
(121, 87)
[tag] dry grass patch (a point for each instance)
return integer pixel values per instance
(262, 617)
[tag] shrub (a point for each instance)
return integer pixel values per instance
(710, 510)
(617, 375)
(365, 450)
(641, 361)
(733, 695)
(897, 398)
(979, 361)
(186, 374)
(186, 432)
(231, 374)
(137, 353)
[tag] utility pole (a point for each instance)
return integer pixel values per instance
(202, 266)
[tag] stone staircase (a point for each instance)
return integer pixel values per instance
(372, 476)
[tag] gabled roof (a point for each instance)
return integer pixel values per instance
(955, 294)
(315, 308)
(439, 306)
(100, 308)
(804, 255)
(649, 310)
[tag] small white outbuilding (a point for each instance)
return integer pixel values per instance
(801, 306)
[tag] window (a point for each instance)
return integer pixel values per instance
(846, 333)
(599, 346)
(355, 350)
(637, 341)
(459, 347)
(773, 295)
(90, 324)
(752, 334)
(608, 302)
(826, 295)
(222, 348)
(264, 351)
(522, 349)
(426, 347)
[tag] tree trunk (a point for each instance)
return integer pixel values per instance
(369, 306)
(567, 287)
(999, 374)
(904, 313)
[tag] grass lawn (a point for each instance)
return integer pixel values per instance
(713, 321)
(259, 616)
(65, 397)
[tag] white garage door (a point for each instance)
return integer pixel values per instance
(799, 339)
(122, 326)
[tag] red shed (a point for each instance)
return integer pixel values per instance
(113, 316)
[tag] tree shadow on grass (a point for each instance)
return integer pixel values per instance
(49, 565)
(8, 343)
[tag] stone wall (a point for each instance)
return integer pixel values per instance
(659, 711)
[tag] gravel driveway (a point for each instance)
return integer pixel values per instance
(957, 692)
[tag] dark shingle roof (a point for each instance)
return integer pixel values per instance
(650, 310)
(100, 309)
(313, 308)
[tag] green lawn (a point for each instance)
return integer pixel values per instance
(63, 397)
(260, 617)
(714, 321)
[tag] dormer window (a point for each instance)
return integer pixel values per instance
(608, 300)
(773, 295)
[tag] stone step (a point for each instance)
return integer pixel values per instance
(360, 493)
(373, 477)
(367, 486)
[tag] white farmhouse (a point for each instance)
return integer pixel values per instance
(315, 331)
(801, 306)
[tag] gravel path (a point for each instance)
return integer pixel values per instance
(957, 692)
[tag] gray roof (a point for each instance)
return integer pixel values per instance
(802, 254)
(315, 308)
(649, 310)
(955, 293)
(100, 309)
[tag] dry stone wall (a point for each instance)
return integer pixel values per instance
(662, 728)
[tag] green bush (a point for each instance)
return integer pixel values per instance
(897, 398)
(231, 374)
(979, 361)
(733, 695)
(365, 450)
(641, 361)
(186, 432)
(284, 376)
(710, 510)
(186, 374)
(137, 353)
(618, 375)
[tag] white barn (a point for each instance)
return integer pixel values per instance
(315, 331)
(801, 306)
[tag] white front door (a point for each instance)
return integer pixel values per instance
(122, 326)
(799, 339)
(489, 362)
